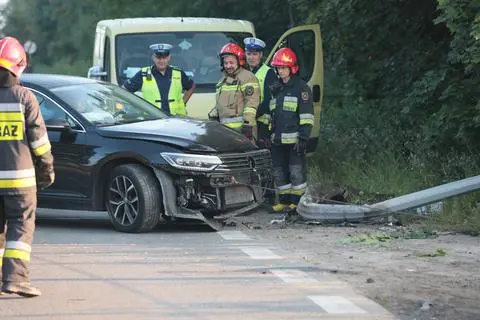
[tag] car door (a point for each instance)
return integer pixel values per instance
(68, 139)
(306, 42)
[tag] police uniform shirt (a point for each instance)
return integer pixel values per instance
(163, 82)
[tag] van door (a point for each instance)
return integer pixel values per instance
(306, 42)
(97, 71)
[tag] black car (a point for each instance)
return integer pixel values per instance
(116, 152)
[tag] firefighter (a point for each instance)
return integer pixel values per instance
(266, 76)
(25, 166)
(162, 85)
(291, 111)
(238, 93)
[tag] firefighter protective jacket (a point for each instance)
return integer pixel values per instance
(238, 97)
(291, 111)
(23, 140)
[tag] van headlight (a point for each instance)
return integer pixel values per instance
(191, 162)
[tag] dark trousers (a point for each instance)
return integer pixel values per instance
(290, 172)
(17, 213)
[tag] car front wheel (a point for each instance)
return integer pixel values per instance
(133, 199)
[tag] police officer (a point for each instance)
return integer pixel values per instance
(266, 76)
(291, 111)
(238, 92)
(26, 164)
(162, 84)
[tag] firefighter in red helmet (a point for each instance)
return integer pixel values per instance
(25, 166)
(238, 93)
(291, 113)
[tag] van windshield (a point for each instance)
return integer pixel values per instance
(196, 53)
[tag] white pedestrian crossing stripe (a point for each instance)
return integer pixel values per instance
(234, 235)
(337, 305)
(293, 276)
(260, 253)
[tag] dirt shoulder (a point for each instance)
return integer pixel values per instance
(413, 274)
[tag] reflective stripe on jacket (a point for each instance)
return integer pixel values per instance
(237, 98)
(151, 93)
(22, 135)
(291, 111)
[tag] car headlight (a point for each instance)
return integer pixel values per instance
(192, 162)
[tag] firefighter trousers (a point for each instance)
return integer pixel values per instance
(17, 218)
(290, 173)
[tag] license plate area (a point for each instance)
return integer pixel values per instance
(237, 195)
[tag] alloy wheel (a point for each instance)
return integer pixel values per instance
(123, 200)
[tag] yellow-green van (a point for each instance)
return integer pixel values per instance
(122, 47)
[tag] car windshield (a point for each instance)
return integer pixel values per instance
(196, 53)
(107, 104)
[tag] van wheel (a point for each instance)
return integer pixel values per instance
(133, 199)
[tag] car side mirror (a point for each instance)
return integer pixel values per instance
(97, 73)
(57, 125)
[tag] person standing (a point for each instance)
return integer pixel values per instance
(162, 85)
(292, 116)
(26, 164)
(254, 48)
(238, 93)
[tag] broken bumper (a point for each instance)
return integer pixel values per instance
(234, 188)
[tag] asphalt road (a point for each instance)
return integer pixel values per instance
(87, 270)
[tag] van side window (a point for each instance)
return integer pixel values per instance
(303, 44)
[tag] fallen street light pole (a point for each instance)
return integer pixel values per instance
(309, 209)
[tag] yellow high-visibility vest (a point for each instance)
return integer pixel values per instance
(151, 93)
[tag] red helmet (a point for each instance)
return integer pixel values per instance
(12, 56)
(285, 57)
(234, 49)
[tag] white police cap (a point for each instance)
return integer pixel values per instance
(253, 44)
(161, 49)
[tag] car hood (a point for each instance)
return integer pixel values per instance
(191, 135)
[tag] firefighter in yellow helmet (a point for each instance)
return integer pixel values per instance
(26, 164)
(238, 93)
(162, 85)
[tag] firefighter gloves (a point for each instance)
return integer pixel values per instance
(301, 146)
(247, 131)
(45, 177)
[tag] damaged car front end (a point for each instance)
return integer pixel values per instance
(213, 188)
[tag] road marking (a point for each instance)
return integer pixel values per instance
(85, 245)
(233, 235)
(293, 276)
(260, 253)
(336, 304)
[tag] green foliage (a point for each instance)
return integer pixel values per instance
(402, 77)
(460, 215)
(64, 66)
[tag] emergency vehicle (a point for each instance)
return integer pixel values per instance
(122, 47)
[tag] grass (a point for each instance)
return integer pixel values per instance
(385, 175)
(368, 239)
(437, 253)
(382, 238)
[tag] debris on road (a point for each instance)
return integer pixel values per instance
(437, 253)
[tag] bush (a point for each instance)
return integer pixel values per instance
(64, 66)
